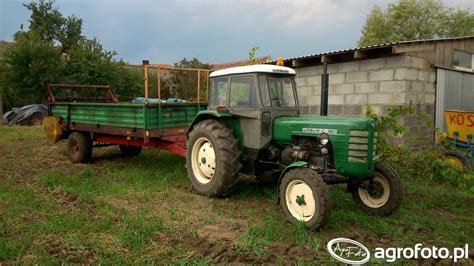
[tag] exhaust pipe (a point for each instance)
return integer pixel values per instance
(324, 90)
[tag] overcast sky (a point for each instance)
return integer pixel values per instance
(213, 31)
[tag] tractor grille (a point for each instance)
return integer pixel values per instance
(359, 146)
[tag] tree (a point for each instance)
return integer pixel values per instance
(413, 20)
(460, 23)
(376, 29)
(3, 84)
(31, 63)
(50, 26)
(54, 50)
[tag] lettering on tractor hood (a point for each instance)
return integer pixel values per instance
(330, 131)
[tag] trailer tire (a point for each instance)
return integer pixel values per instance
(307, 186)
(79, 147)
(212, 159)
(457, 160)
(388, 193)
(130, 151)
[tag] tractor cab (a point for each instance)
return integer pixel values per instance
(255, 95)
(251, 87)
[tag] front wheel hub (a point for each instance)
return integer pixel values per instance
(300, 200)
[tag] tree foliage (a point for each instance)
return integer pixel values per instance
(252, 52)
(54, 50)
(185, 82)
(413, 20)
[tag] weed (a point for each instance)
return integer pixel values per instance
(258, 237)
(139, 229)
(88, 172)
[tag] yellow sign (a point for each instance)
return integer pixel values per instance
(461, 122)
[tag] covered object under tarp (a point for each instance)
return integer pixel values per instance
(29, 114)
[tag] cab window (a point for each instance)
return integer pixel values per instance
(277, 91)
(242, 91)
(219, 91)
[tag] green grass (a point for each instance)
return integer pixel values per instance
(143, 210)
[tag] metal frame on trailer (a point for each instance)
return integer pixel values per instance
(172, 139)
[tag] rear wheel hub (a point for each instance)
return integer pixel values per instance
(203, 160)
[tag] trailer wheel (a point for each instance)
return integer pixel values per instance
(383, 194)
(130, 151)
(79, 147)
(304, 197)
(212, 159)
(457, 160)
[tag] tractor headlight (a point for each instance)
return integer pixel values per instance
(324, 138)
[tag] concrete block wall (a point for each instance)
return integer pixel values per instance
(380, 83)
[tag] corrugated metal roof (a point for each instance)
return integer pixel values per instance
(377, 46)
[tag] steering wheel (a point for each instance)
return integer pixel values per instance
(281, 101)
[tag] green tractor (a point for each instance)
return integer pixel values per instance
(250, 124)
(253, 125)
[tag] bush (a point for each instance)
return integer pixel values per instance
(427, 162)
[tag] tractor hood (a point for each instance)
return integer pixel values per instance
(353, 139)
(284, 128)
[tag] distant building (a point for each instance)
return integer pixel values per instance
(258, 60)
(430, 75)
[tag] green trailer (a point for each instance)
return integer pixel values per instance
(137, 124)
(130, 125)
(249, 123)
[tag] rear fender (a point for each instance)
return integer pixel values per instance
(224, 117)
(204, 115)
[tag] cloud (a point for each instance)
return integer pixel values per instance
(212, 30)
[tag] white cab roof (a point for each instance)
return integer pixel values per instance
(254, 69)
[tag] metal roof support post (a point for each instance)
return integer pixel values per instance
(324, 90)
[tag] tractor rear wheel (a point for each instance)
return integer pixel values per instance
(79, 147)
(382, 194)
(212, 159)
(130, 151)
(304, 197)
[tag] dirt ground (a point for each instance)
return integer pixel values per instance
(144, 210)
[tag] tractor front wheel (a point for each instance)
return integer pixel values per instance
(79, 147)
(381, 194)
(212, 159)
(305, 198)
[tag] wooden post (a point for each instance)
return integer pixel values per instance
(207, 85)
(199, 87)
(145, 68)
(159, 84)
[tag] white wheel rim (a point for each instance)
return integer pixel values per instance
(375, 201)
(300, 200)
(203, 160)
